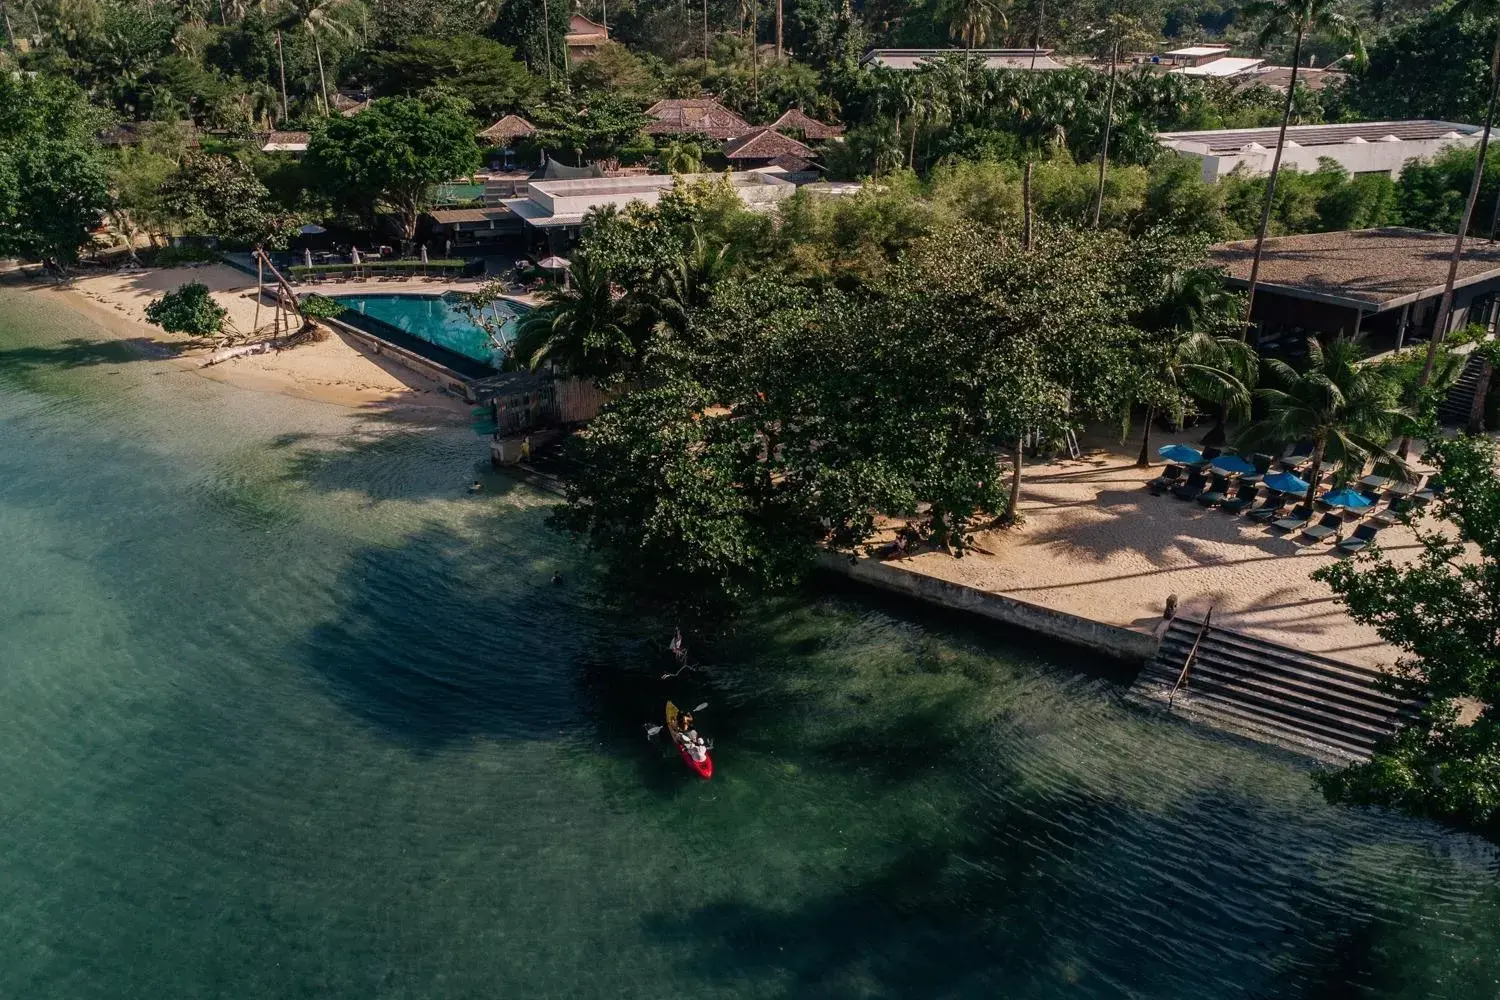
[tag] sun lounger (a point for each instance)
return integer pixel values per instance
(1191, 488)
(1299, 518)
(1326, 529)
(1430, 492)
(1217, 490)
(1243, 498)
(1362, 537)
(1262, 465)
(1170, 477)
(1268, 509)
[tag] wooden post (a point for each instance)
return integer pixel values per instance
(1359, 320)
(1401, 327)
(260, 290)
(1187, 664)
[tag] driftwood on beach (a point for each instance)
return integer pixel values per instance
(310, 332)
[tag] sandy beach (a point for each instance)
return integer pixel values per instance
(332, 371)
(1097, 543)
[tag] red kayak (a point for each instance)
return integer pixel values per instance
(703, 768)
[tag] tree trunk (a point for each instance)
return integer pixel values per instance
(1143, 460)
(1314, 471)
(1218, 433)
(1265, 211)
(778, 30)
(705, 36)
(1026, 206)
(911, 150)
(755, 50)
(1036, 42)
(547, 38)
(286, 113)
(1014, 513)
(1445, 308)
(1109, 114)
(322, 80)
(10, 33)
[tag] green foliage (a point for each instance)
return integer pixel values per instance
(391, 153)
(320, 307)
(1440, 608)
(589, 126)
(1433, 67)
(173, 256)
(1431, 193)
(481, 70)
(190, 309)
(535, 30)
(1349, 411)
(53, 178)
(1325, 200)
(584, 329)
(614, 69)
(211, 194)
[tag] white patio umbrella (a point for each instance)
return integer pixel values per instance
(312, 229)
(307, 256)
(354, 256)
(555, 263)
(424, 254)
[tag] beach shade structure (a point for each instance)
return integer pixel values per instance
(1346, 498)
(1180, 453)
(312, 229)
(554, 263)
(1232, 465)
(1285, 482)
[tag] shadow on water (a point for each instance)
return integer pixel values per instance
(78, 352)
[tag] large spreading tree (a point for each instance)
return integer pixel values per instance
(1442, 609)
(391, 153)
(54, 182)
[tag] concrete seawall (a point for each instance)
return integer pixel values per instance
(442, 375)
(1126, 644)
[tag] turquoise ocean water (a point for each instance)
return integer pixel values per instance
(285, 712)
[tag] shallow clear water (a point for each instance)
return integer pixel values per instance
(284, 712)
(437, 320)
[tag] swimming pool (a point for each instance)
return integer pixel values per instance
(438, 319)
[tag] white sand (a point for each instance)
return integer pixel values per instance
(1096, 543)
(333, 371)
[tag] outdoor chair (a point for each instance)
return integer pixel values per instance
(1299, 455)
(1362, 537)
(1430, 492)
(1209, 454)
(1191, 488)
(1214, 495)
(1170, 477)
(1269, 509)
(1299, 518)
(1325, 529)
(1262, 465)
(1243, 498)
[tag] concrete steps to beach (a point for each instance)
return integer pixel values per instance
(1310, 704)
(1454, 410)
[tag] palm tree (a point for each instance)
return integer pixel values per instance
(320, 17)
(1298, 18)
(1348, 410)
(682, 158)
(972, 21)
(1119, 28)
(1192, 362)
(1480, 8)
(686, 286)
(585, 328)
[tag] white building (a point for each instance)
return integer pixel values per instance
(1194, 55)
(1222, 68)
(556, 208)
(909, 59)
(1365, 148)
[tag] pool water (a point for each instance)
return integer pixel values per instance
(439, 320)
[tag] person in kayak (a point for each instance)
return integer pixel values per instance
(697, 750)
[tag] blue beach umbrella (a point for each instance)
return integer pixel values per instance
(1285, 482)
(1346, 498)
(1180, 453)
(1232, 465)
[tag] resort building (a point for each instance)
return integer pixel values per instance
(1223, 68)
(695, 116)
(1383, 285)
(803, 126)
(909, 59)
(503, 136)
(553, 211)
(584, 38)
(469, 228)
(766, 147)
(1365, 148)
(286, 142)
(1193, 55)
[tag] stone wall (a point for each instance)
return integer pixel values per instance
(1125, 644)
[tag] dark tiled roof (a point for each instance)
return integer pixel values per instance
(508, 128)
(1234, 140)
(698, 115)
(288, 139)
(795, 121)
(1380, 268)
(453, 216)
(765, 144)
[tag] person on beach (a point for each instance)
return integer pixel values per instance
(476, 486)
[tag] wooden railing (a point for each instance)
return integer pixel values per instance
(1187, 664)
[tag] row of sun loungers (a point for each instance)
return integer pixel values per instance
(1389, 500)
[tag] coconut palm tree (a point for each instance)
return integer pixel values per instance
(585, 328)
(682, 158)
(973, 21)
(320, 18)
(1349, 411)
(1298, 18)
(1119, 30)
(685, 286)
(1193, 362)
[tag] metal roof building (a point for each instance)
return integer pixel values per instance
(909, 59)
(1364, 148)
